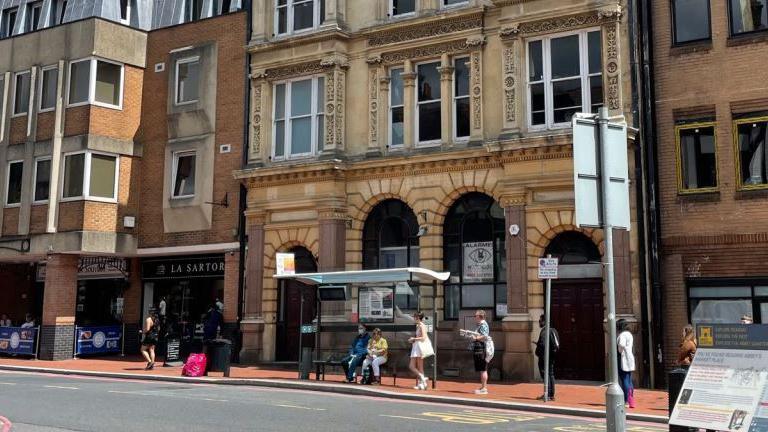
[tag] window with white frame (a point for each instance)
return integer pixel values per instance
(2, 87)
(402, 7)
(187, 80)
(564, 77)
(396, 108)
(428, 103)
(298, 118)
(48, 84)
(8, 21)
(13, 184)
(97, 82)
(59, 10)
(296, 15)
(42, 179)
(184, 174)
(21, 93)
(34, 13)
(91, 176)
(125, 11)
(461, 98)
(193, 10)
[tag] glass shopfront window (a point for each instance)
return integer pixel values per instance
(726, 301)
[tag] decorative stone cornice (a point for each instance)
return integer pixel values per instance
(610, 13)
(258, 74)
(559, 24)
(435, 27)
(475, 41)
(374, 59)
(335, 60)
(293, 70)
(332, 213)
(451, 47)
(517, 199)
(510, 32)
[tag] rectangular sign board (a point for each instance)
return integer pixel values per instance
(725, 388)
(285, 264)
(547, 268)
(376, 304)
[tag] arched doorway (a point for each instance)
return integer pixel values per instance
(289, 308)
(390, 240)
(577, 308)
(474, 253)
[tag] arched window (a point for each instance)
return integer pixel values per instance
(572, 247)
(390, 241)
(474, 253)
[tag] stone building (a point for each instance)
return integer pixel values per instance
(711, 126)
(118, 136)
(394, 133)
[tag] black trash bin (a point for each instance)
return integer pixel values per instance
(305, 367)
(219, 353)
(675, 378)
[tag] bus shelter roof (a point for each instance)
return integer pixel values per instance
(368, 276)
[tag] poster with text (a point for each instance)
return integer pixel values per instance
(376, 304)
(478, 262)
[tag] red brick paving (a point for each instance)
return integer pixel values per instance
(652, 402)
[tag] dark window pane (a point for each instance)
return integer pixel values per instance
(565, 57)
(453, 2)
(184, 184)
(303, 15)
(462, 117)
(108, 77)
(21, 101)
(429, 121)
(691, 20)
(400, 7)
(451, 302)
(74, 168)
(280, 138)
(102, 182)
(595, 56)
(42, 180)
(753, 137)
(282, 20)
(538, 116)
(48, 93)
(15, 173)
(397, 126)
(596, 92)
(301, 98)
(697, 158)
(301, 135)
(566, 99)
(461, 77)
(748, 15)
(429, 82)
(280, 101)
(79, 78)
(535, 62)
(396, 87)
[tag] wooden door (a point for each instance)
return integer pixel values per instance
(577, 314)
(288, 327)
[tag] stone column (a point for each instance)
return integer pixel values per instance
(231, 286)
(409, 101)
(334, 13)
(517, 325)
(612, 82)
(375, 73)
(510, 77)
(335, 104)
(57, 332)
(132, 306)
(622, 272)
(446, 101)
(258, 105)
(476, 88)
(333, 239)
(384, 129)
(252, 324)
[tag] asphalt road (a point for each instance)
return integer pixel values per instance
(47, 403)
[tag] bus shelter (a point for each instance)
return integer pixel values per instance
(375, 290)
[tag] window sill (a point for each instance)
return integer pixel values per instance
(90, 199)
(182, 198)
(703, 196)
(747, 38)
(46, 110)
(691, 48)
(12, 205)
(19, 115)
(40, 203)
(753, 193)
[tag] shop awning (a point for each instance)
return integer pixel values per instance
(368, 276)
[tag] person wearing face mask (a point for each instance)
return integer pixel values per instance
(554, 347)
(357, 353)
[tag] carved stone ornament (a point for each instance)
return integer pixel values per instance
(611, 13)
(256, 121)
(475, 41)
(510, 69)
(508, 33)
(374, 59)
(295, 70)
(373, 98)
(335, 60)
(475, 73)
(560, 23)
(425, 30)
(426, 51)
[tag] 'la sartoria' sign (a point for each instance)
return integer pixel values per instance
(183, 268)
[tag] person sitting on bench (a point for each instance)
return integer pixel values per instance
(357, 353)
(377, 355)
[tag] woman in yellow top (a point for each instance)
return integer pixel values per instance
(377, 355)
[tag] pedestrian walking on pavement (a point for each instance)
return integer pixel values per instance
(481, 342)
(357, 353)
(149, 340)
(421, 348)
(554, 347)
(687, 347)
(625, 343)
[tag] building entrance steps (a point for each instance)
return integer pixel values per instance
(581, 399)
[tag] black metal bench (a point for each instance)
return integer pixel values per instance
(332, 361)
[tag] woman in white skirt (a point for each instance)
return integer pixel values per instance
(421, 349)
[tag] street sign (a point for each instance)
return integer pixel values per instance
(307, 329)
(547, 268)
(593, 140)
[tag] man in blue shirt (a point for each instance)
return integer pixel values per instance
(357, 353)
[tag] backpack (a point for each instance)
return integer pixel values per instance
(195, 365)
(367, 375)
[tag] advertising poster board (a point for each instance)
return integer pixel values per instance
(376, 304)
(725, 388)
(98, 340)
(478, 262)
(17, 340)
(285, 264)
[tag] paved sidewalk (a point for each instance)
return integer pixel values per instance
(574, 399)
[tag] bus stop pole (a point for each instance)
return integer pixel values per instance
(547, 307)
(301, 324)
(434, 333)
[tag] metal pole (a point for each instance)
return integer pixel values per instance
(434, 333)
(301, 323)
(614, 396)
(547, 303)
(37, 343)
(319, 306)
(122, 343)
